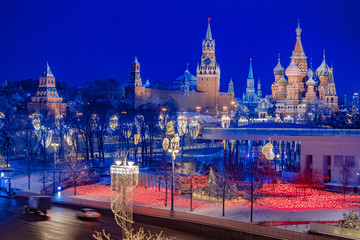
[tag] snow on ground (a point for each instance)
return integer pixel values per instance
(295, 228)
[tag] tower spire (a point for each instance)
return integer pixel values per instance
(298, 49)
(208, 32)
(298, 27)
(250, 75)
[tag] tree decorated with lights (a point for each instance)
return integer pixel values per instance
(124, 177)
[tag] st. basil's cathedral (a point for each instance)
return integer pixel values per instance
(304, 87)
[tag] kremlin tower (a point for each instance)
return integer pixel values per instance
(47, 98)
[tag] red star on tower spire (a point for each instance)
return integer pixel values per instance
(209, 19)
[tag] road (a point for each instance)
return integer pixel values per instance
(61, 224)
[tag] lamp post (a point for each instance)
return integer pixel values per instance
(54, 145)
(124, 177)
(174, 149)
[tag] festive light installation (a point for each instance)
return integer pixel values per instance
(127, 130)
(114, 122)
(163, 118)
(170, 130)
(267, 150)
(225, 121)
(36, 122)
(243, 121)
(3, 163)
(94, 121)
(137, 139)
(141, 127)
(194, 128)
(2, 118)
(68, 132)
(182, 127)
(123, 180)
(278, 119)
(281, 197)
(165, 144)
(182, 124)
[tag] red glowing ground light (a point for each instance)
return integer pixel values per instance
(283, 197)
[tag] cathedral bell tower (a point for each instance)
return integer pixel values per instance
(208, 73)
(299, 57)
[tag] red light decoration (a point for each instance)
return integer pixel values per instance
(281, 197)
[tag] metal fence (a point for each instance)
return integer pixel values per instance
(282, 131)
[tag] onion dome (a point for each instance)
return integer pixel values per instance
(310, 82)
(323, 69)
(282, 82)
(279, 70)
(292, 70)
(310, 73)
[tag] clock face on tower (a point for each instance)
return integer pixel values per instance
(207, 61)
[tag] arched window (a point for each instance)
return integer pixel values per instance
(332, 100)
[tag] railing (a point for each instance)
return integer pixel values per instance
(282, 131)
(334, 230)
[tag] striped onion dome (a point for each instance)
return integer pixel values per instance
(323, 69)
(310, 73)
(292, 70)
(279, 70)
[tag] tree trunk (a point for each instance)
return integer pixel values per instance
(191, 193)
(223, 201)
(166, 192)
(29, 177)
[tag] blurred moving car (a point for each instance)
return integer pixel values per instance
(88, 213)
(38, 204)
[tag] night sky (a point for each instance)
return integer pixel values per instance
(89, 40)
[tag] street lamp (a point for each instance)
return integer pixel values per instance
(174, 149)
(124, 177)
(54, 145)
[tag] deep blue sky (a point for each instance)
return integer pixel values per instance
(89, 40)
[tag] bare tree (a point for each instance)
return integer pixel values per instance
(164, 170)
(252, 188)
(188, 183)
(345, 177)
(31, 143)
(75, 167)
(226, 184)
